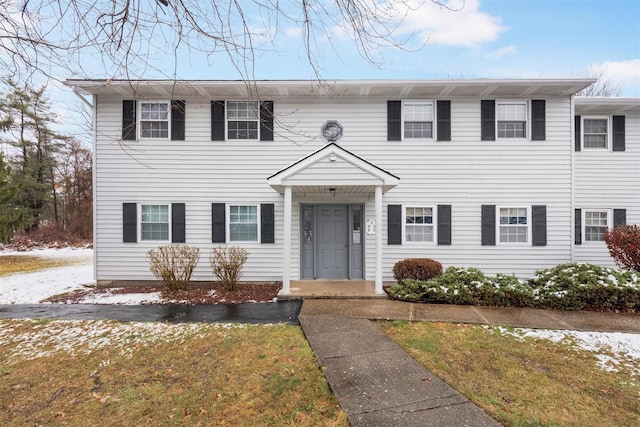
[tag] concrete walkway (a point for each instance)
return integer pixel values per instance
(378, 384)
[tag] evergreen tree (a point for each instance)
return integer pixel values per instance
(12, 216)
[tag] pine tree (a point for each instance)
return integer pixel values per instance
(12, 216)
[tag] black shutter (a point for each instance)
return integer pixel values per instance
(177, 223)
(488, 120)
(619, 217)
(538, 120)
(218, 219)
(129, 120)
(267, 223)
(177, 120)
(618, 133)
(444, 224)
(129, 222)
(577, 228)
(394, 224)
(444, 120)
(578, 133)
(217, 121)
(539, 230)
(488, 225)
(266, 121)
(394, 120)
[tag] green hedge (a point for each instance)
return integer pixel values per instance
(566, 287)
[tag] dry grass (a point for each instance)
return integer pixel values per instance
(10, 264)
(111, 373)
(522, 383)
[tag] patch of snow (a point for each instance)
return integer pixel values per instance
(122, 299)
(614, 350)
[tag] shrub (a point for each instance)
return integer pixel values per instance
(623, 243)
(174, 264)
(227, 264)
(416, 269)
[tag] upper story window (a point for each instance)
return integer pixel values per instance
(511, 119)
(595, 133)
(242, 119)
(154, 119)
(419, 224)
(243, 223)
(154, 222)
(418, 119)
(513, 225)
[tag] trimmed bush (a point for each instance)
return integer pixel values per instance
(227, 264)
(565, 287)
(416, 269)
(623, 243)
(174, 264)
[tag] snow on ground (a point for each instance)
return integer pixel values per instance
(614, 350)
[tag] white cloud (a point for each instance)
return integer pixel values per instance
(499, 53)
(625, 74)
(462, 25)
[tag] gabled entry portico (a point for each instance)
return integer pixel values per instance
(332, 171)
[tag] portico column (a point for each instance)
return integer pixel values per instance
(286, 244)
(378, 230)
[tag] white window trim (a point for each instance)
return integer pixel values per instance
(583, 231)
(529, 225)
(609, 146)
(228, 222)
(139, 219)
(527, 126)
(434, 120)
(139, 117)
(434, 212)
(226, 120)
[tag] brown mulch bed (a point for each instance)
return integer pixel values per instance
(195, 295)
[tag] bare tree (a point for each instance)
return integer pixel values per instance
(131, 37)
(603, 87)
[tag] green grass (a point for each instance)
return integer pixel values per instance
(10, 264)
(522, 382)
(160, 375)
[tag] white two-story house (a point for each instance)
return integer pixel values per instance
(341, 179)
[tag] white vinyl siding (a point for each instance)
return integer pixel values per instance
(417, 118)
(242, 222)
(513, 225)
(154, 222)
(154, 119)
(463, 173)
(419, 224)
(511, 119)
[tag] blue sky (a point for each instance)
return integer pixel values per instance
(484, 38)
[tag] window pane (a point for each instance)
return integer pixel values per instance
(511, 112)
(513, 225)
(243, 130)
(419, 225)
(418, 129)
(595, 133)
(243, 223)
(511, 129)
(154, 222)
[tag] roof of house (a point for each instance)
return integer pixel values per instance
(598, 104)
(494, 88)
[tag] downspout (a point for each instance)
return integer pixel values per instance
(573, 178)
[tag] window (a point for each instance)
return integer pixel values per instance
(514, 225)
(243, 223)
(154, 222)
(418, 225)
(154, 119)
(511, 119)
(418, 119)
(596, 223)
(242, 120)
(595, 132)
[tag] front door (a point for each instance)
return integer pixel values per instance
(331, 242)
(332, 250)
